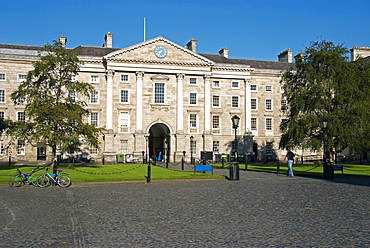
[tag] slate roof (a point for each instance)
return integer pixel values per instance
(257, 64)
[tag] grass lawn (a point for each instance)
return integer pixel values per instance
(120, 172)
(307, 169)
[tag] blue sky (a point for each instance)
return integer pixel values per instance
(251, 29)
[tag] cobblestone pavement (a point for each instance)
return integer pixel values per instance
(260, 210)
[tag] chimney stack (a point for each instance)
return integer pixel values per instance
(286, 56)
(108, 40)
(224, 52)
(63, 40)
(192, 45)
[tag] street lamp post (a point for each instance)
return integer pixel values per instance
(328, 170)
(235, 119)
(191, 149)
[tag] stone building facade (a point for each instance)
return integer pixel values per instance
(160, 97)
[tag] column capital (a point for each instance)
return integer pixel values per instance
(207, 78)
(180, 76)
(110, 73)
(139, 74)
(248, 81)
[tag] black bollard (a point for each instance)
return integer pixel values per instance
(231, 172)
(148, 177)
(182, 164)
(236, 168)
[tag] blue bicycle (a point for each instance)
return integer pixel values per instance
(21, 179)
(45, 180)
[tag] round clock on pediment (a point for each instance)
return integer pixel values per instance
(160, 51)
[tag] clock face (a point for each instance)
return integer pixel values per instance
(160, 52)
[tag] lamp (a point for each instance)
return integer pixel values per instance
(235, 120)
(191, 149)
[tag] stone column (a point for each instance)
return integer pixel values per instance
(207, 105)
(247, 109)
(139, 101)
(109, 100)
(180, 103)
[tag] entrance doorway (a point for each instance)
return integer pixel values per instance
(159, 142)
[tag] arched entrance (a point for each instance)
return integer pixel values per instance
(159, 141)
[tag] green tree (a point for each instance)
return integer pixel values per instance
(325, 85)
(54, 116)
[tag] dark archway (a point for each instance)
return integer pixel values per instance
(159, 141)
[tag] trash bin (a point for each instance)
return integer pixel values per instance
(328, 170)
(120, 158)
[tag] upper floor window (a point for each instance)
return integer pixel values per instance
(235, 85)
(21, 77)
(268, 104)
(73, 78)
(268, 124)
(124, 78)
(254, 104)
(216, 84)
(2, 76)
(253, 87)
(193, 81)
(2, 96)
(254, 123)
(193, 99)
(216, 101)
(268, 88)
(124, 122)
(72, 95)
(159, 92)
(124, 96)
(284, 105)
(94, 79)
(235, 101)
(94, 97)
(216, 121)
(193, 120)
(21, 116)
(94, 118)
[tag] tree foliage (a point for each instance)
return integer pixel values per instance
(325, 85)
(54, 116)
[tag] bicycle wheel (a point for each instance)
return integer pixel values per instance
(43, 181)
(64, 181)
(33, 180)
(16, 181)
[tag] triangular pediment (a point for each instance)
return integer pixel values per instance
(145, 52)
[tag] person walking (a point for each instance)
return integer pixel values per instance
(290, 156)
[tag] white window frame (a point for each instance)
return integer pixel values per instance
(124, 146)
(268, 105)
(20, 79)
(2, 115)
(123, 76)
(216, 118)
(193, 81)
(233, 86)
(72, 94)
(164, 93)
(124, 122)
(216, 146)
(21, 147)
(191, 98)
(97, 97)
(192, 121)
(94, 79)
(218, 105)
(254, 124)
(216, 84)
(254, 86)
(232, 101)
(254, 99)
(121, 98)
(268, 88)
(283, 105)
(2, 96)
(94, 119)
(93, 149)
(2, 76)
(269, 124)
(21, 116)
